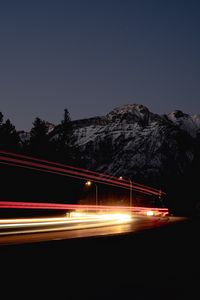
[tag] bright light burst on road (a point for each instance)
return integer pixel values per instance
(124, 217)
(149, 213)
(76, 214)
(121, 217)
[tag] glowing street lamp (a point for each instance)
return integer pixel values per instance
(90, 183)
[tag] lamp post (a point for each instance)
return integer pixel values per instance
(89, 183)
(131, 190)
(160, 198)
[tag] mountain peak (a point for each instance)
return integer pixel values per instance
(129, 113)
(188, 123)
(129, 108)
(177, 114)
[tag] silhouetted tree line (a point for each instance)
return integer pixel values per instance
(9, 138)
(21, 184)
(41, 143)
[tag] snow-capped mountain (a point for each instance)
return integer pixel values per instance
(162, 151)
(132, 141)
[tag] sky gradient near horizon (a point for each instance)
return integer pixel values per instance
(91, 56)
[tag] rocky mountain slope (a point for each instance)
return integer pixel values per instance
(132, 141)
(159, 150)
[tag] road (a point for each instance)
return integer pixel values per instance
(144, 258)
(77, 225)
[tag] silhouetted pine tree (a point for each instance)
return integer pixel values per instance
(66, 151)
(39, 141)
(9, 138)
(65, 131)
(1, 118)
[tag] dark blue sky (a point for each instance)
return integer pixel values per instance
(91, 56)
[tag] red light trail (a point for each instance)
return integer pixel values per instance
(19, 160)
(33, 205)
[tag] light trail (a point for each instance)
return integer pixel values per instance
(23, 161)
(31, 225)
(71, 175)
(75, 174)
(58, 206)
(81, 230)
(66, 170)
(55, 164)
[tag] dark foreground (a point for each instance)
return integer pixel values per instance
(163, 263)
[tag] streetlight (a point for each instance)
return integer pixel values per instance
(131, 190)
(160, 198)
(89, 183)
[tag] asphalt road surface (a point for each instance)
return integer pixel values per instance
(22, 231)
(153, 262)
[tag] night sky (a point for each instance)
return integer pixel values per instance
(91, 56)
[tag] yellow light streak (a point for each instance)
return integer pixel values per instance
(75, 221)
(149, 213)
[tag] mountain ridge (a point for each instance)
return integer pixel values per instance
(162, 151)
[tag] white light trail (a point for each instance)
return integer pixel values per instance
(75, 221)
